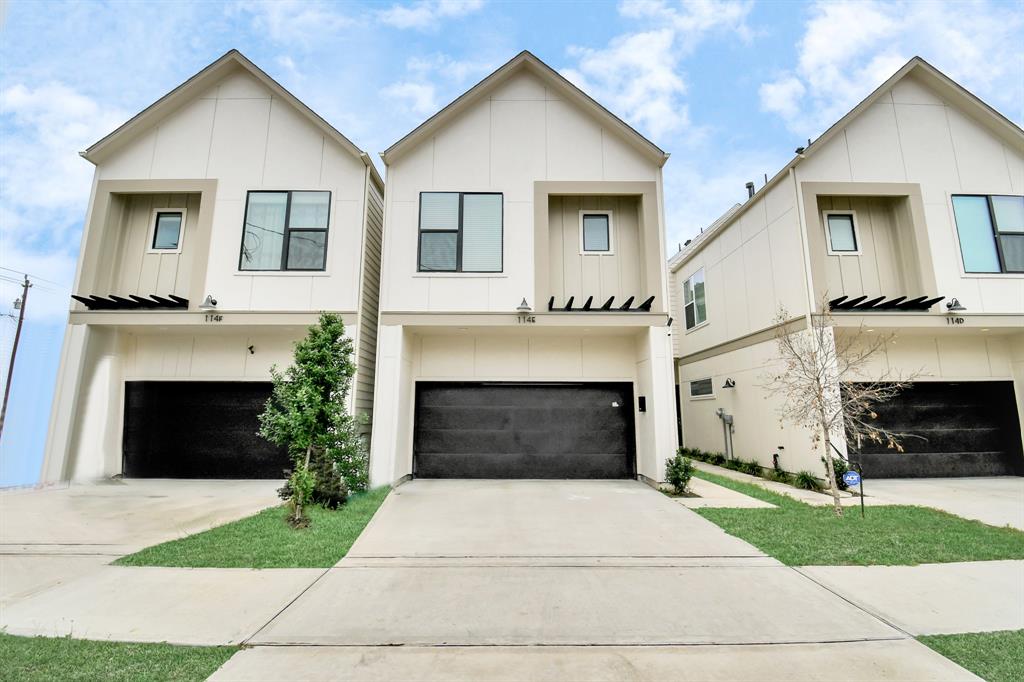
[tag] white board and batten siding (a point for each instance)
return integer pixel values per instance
(370, 303)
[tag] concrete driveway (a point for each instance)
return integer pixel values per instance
(567, 580)
(997, 501)
(53, 535)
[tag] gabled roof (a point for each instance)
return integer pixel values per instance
(198, 83)
(946, 87)
(526, 61)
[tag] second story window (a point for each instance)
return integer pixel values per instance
(695, 309)
(285, 231)
(991, 231)
(842, 233)
(596, 232)
(460, 232)
(168, 229)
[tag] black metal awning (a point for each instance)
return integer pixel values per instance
(132, 302)
(608, 306)
(899, 304)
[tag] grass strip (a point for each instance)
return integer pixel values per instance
(800, 534)
(57, 659)
(993, 656)
(265, 540)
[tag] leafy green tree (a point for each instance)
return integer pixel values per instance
(306, 414)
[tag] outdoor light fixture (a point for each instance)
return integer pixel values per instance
(954, 306)
(729, 383)
(524, 308)
(209, 303)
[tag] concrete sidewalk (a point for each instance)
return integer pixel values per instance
(839, 662)
(933, 599)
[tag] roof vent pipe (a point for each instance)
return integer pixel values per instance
(750, 190)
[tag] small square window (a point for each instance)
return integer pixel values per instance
(596, 233)
(842, 233)
(167, 230)
(701, 388)
(596, 237)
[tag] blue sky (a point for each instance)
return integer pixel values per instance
(729, 88)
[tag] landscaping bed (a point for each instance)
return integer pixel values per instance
(993, 656)
(800, 534)
(46, 659)
(266, 540)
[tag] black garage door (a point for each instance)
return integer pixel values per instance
(197, 429)
(524, 431)
(956, 429)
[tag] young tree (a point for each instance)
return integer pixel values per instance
(827, 386)
(306, 414)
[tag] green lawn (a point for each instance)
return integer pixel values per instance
(49, 659)
(265, 540)
(799, 534)
(994, 656)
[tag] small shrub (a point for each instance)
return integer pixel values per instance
(751, 467)
(716, 458)
(734, 464)
(841, 467)
(779, 476)
(807, 481)
(678, 472)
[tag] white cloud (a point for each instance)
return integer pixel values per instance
(426, 14)
(637, 74)
(457, 71)
(44, 184)
(636, 77)
(296, 23)
(420, 96)
(849, 48)
(691, 19)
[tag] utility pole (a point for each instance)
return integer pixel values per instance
(20, 305)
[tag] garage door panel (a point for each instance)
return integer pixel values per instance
(198, 429)
(466, 430)
(540, 466)
(965, 428)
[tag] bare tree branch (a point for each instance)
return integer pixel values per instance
(828, 385)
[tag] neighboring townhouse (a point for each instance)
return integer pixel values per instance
(906, 217)
(523, 329)
(222, 218)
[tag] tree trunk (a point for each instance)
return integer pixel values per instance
(298, 504)
(833, 486)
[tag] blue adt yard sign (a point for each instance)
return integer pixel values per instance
(851, 478)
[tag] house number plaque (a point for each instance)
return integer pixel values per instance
(954, 320)
(213, 318)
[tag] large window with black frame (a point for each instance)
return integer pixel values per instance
(460, 232)
(991, 232)
(285, 230)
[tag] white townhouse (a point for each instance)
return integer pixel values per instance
(222, 219)
(523, 321)
(906, 217)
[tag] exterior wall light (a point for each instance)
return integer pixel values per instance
(209, 303)
(954, 306)
(729, 383)
(524, 308)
